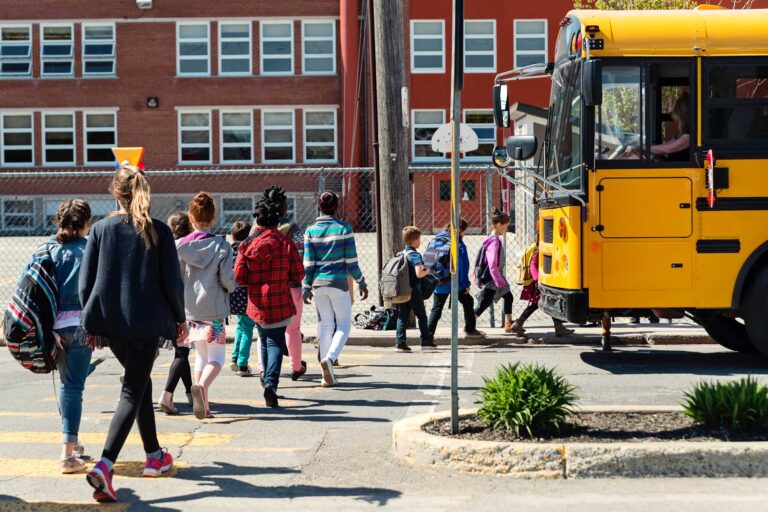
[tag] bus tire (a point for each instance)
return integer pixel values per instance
(755, 309)
(729, 333)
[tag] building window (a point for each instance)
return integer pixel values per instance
(319, 43)
(56, 50)
(237, 137)
(18, 140)
(193, 49)
(18, 215)
(277, 136)
(98, 50)
(320, 136)
(530, 42)
(235, 48)
(15, 51)
(468, 190)
(100, 137)
(276, 47)
(100, 208)
(234, 209)
(480, 46)
(427, 46)
(59, 139)
(195, 137)
(425, 123)
(481, 121)
(444, 190)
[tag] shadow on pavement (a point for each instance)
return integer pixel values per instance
(621, 362)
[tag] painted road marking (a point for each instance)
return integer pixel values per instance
(200, 439)
(49, 468)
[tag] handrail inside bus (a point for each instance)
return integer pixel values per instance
(532, 172)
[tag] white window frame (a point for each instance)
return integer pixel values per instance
(100, 58)
(28, 147)
(18, 229)
(249, 55)
(27, 59)
(490, 124)
(265, 145)
(87, 130)
(62, 58)
(180, 129)
(263, 57)
(305, 38)
(247, 215)
(223, 144)
(96, 211)
(492, 36)
(545, 36)
(206, 40)
(46, 147)
(416, 70)
(322, 127)
(414, 126)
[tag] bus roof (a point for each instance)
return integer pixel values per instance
(699, 32)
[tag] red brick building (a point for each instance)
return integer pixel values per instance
(239, 85)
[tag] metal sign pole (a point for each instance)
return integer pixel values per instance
(457, 80)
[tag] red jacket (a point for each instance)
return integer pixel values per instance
(266, 263)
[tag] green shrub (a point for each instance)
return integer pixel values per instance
(529, 400)
(740, 405)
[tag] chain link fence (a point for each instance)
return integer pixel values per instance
(29, 200)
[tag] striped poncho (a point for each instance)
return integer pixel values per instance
(330, 254)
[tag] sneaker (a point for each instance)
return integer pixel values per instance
(198, 402)
(78, 450)
(336, 363)
(72, 465)
(165, 403)
(270, 396)
(402, 347)
(328, 378)
(234, 367)
(474, 334)
(101, 479)
(155, 467)
(298, 374)
(429, 345)
(244, 371)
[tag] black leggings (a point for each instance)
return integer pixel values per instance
(179, 370)
(137, 357)
(486, 300)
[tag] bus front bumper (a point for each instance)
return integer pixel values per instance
(567, 305)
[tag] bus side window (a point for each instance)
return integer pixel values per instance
(619, 133)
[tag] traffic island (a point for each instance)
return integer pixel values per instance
(420, 441)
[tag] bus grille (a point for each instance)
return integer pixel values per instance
(547, 264)
(548, 234)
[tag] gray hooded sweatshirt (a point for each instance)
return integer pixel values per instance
(208, 275)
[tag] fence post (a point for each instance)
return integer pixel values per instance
(488, 224)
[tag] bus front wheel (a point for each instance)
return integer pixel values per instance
(729, 333)
(756, 311)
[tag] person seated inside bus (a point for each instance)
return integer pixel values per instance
(676, 149)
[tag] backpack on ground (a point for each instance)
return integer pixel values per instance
(376, 319)
(524, 275)
(28, 320)
(437, 258)
(395, 282)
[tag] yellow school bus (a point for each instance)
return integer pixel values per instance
(632, 217)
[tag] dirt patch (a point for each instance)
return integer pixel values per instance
(605, 427)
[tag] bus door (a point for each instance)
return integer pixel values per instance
(644, 192)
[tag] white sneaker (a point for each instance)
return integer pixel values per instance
(328, 378)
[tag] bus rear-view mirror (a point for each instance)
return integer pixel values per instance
(522, 147)
(501, 105)
(592, 83)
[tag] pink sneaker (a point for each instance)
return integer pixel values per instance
(101, 479)
(156, 467)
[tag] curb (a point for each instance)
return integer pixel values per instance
(555, 460)
(634, 340)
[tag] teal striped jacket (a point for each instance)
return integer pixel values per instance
(330, 254)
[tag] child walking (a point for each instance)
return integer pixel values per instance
(238, 302)
(293, 336)
(416, 272)
(497, 286)
(208, 276)
(67, 247)
(180, 370)
(133, 301)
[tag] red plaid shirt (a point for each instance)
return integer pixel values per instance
(266, 263)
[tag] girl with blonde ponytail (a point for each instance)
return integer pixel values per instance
(133, 302)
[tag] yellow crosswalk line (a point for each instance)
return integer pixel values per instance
(49, 468)
(199, 439)
(14, 505)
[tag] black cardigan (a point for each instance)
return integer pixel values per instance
(126, 290)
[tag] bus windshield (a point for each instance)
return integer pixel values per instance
(563, 161)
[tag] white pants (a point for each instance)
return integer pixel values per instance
(209, 353)
(334, 308)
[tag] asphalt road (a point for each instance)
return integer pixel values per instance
(329, 449)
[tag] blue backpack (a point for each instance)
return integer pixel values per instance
(437, 257)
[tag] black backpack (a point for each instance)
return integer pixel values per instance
(376, 319)
(437, 258)
(482, 273)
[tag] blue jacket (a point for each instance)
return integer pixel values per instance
(464, 282)
(67, 258)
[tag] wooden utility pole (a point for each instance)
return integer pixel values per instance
(395, 193)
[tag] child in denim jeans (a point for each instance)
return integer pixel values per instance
(417, 271)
